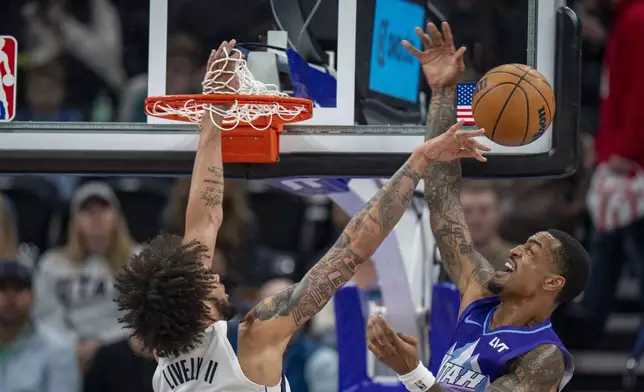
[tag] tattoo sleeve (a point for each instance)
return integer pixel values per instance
(539, 370)
(442, 193)
(204, 212)
(359, 240)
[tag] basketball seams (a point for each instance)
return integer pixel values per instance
(527, 109)
(525, 80)
(545, 101)
(496, 124)
(488, 91)
(526, 68)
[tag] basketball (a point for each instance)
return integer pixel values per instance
(514, 103)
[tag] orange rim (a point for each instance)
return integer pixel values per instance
(179, 101)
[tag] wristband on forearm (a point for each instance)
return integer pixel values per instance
(418, 380)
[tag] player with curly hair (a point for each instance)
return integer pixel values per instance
(176, 306)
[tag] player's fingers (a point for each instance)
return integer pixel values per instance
(220, 51)
(211, 59)
(230, 46)
(476, 154)
(458, 56)
(455, 128)
(480, 157)
(473, 143)
(448, 37)
(377, 352)
(436, 35)
(424, 38)
(385, 327)
(411, 48)
(407, 339)
(386, 342)
(373, 333)
(470, 134)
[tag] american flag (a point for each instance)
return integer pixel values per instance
(464, 94)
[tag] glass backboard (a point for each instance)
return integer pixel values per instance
(83, 69)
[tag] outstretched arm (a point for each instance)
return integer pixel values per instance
(280, 316)
(442, 193)
(204, 212)
(442, 65)
(285, 312)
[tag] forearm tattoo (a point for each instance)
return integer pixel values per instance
(359, 240)
(213, 191)
(539, 370)
(442, 193)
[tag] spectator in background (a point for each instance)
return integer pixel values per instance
(8, 230)
(123, 366)
(75, 282)
(595, 20)
(32, 359)
(91, 33)
(85, 36)
(483, 215)
(308, 365)
(46, 93)
(183, 76)
(235, 253)
(619, 149)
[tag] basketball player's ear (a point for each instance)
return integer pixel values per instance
(154, 354)
(554, 283)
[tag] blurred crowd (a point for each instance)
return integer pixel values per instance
(62, 238)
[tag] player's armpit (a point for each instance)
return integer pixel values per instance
(539, 370)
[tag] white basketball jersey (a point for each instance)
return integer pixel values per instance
(211, 367)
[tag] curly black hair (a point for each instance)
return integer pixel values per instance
(163, 292)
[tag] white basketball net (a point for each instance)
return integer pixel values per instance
(230, 75)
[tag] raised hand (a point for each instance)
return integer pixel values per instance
(396, 350)
(220, 75)
(442, 64)
(455, 144)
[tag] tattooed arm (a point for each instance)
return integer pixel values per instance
(539, 370)
(442, 193)
(275, 319)
(204, 212)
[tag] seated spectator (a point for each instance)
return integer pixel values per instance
(76, 282)
(32, 359)
(482, 209)
(46, 95)
(121, 367)
(308, 365)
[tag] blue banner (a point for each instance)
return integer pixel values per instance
(310, 83)
(394, 71)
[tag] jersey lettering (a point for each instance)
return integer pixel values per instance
(453, 374)
(498, 345)
(185, 370)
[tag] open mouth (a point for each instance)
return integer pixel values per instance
(510, 266)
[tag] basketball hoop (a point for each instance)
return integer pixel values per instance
(253, 113)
